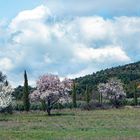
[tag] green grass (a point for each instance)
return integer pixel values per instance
(117, 124)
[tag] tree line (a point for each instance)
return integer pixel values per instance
(108, 86)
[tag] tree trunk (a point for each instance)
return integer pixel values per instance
(49, 111)
(49, 108)
(116, 103)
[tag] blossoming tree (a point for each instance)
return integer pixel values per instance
(112, 90)
(5, 96)
(51, 90)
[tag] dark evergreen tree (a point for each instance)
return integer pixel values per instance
(26, 93)
(87, 94)
(100, 98)
(18, 92)
(6, 83)
(74, 95)
(135, 95)
(2, 77)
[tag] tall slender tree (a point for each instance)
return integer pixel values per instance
(101, 98)
(74, 95)
(135, 95)
(133, 86)
(6, 83)
(26, 93)
(87, 94)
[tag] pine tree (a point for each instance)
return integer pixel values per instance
(74, 95)
(26, 93)
(87, 95)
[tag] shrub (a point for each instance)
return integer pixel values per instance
(95, 105)
(8, 109)
(19, 107)
(130, 101)
(44, 105)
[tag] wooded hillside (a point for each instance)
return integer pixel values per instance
(129, 75)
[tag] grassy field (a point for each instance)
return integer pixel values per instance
(117, 124)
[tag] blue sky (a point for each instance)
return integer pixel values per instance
(68, 38)
(10, 8)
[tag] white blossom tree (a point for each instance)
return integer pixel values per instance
(51, 90)
(112, 90)
(6, 97)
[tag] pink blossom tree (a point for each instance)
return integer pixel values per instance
(51, 90)
(112, 90)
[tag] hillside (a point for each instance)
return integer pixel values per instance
(129, 75)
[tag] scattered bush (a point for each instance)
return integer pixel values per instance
(130, 101)
(8, 109)
(95, 105)
(18, 107)
(92, 105)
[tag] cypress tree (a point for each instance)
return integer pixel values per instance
(135, 95)
(87, 95)
(26, 101)
(74, 95)
(100, 98)
(6, 83)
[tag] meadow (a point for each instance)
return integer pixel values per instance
(72, 124)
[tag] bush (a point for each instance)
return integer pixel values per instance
(95, 105)
(68, 105)
(130, 101)
(36, 106)
(8, 109)
(18, 107)
(44, 105)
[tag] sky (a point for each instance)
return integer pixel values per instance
(67, 38)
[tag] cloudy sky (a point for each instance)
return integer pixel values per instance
(68, 38)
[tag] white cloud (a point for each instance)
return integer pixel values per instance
(94, 27)
(110, 53)
(6, 64)
(38, 14)
(68, 47)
